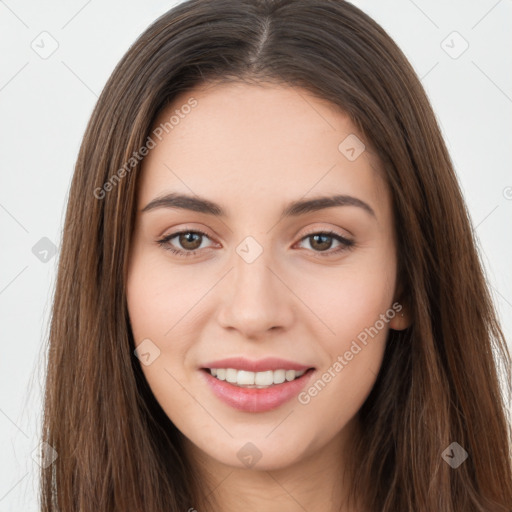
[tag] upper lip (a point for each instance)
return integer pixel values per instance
(268, 363)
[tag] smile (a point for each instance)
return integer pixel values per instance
(258, 380)
(269, 389)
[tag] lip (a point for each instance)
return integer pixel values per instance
(261, 365)
(253, 399)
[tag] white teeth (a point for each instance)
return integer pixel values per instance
(279, 376)
(244, 378)
(264, 378)
(231, 375)
(290, 375)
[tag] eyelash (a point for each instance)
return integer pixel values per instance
(346, 244)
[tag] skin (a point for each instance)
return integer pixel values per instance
(253, 149)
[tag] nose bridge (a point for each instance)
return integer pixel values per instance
(256, 299)
(252, 275)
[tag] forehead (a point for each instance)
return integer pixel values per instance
(258, 141)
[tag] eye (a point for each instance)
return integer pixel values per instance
(192, 240)
(322, 241)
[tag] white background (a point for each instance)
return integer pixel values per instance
(46, 103)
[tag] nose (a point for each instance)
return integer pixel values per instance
(255, 297)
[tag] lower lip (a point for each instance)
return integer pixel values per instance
(254, 399)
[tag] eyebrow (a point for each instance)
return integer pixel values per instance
(294, 209)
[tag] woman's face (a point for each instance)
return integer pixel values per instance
(310, 285)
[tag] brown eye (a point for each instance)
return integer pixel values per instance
(189, 240)
(321, 242)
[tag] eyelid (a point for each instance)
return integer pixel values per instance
(316, 229)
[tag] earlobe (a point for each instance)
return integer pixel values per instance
(400, 321)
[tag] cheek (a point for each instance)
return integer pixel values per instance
(157, 299)
(353, 354)
(349, 300)
(158, 296)
(357, 311)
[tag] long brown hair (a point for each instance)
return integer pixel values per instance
(438, 384)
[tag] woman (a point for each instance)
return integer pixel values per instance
(269, 294)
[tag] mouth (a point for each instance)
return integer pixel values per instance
(255, 380)
(256, 392)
